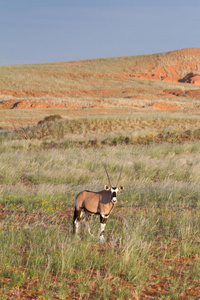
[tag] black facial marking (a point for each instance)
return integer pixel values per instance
(114, 194)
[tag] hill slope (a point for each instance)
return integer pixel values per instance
(167, 80)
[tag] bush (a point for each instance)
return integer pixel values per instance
(50, 118)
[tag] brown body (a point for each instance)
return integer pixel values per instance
(95, 203)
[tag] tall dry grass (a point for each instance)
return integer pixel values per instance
(152, 235)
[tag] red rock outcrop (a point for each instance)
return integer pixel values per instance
(13, 104)
(165, 106)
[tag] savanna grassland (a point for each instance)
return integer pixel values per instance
(152, 237)
(51, 153)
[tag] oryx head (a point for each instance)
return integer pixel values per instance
(114, 190)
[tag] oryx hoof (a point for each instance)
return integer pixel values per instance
(102, 239)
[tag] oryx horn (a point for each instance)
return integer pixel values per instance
(108, 176)
(120, 175)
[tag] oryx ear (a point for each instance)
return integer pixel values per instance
(107, 188)
(121, 188)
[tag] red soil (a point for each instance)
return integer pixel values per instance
(13, 104)
(165, 106)
(175, 66)
(195, 79)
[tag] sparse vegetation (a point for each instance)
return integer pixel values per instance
(152, 244)
(49, 155)
(120, 86)
(100, 132)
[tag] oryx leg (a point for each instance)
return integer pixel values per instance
(87, 220)
(103, 220)
(76, 220)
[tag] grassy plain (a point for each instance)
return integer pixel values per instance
(152, 236)
(109, 117)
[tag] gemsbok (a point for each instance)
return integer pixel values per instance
(101, 203)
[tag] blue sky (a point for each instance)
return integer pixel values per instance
(39, 31)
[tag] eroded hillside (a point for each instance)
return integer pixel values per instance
(145, 83)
